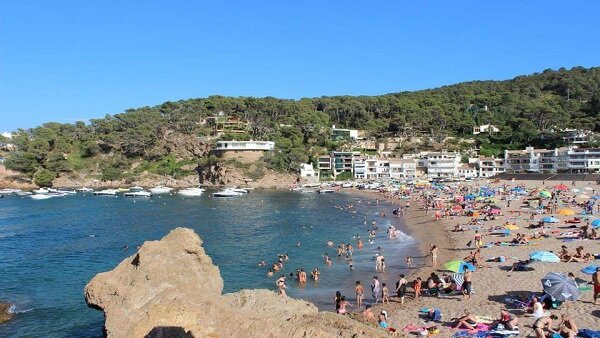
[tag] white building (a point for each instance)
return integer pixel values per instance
(307, 171)
(578, 160)
(485, 128)
(467, 171)
(527, 160)
(490, 166)
(577, 137)
(338, 134)
(441, 164)
(245, 145)
(403, 168)
(360, 168)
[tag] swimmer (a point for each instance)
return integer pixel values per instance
(125, 247)
(330, 244)
(270, 273)
(297, 244)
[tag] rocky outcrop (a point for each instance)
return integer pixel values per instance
(5, 313)
(170, 288)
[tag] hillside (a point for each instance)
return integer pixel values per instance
(173, 139)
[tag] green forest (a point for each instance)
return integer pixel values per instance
(527, 109)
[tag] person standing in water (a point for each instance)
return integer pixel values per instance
(375, 288)
(360, 293)
(281, 285)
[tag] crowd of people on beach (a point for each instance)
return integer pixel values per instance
(476, 205)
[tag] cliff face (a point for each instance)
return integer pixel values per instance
(170, 288)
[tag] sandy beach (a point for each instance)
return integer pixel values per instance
(494, 286)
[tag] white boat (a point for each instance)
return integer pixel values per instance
(24, 193)
(240, 190)
(296, 189)
(106, 192)
(191, 192)
(137, 193)
(85, 189)
(161, 190)
(325, 191)
(66, 192)
(347, 185)
(43, 191)
(41, 196)
(229, 192)
(9, 191)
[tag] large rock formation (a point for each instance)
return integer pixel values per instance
(170, 288)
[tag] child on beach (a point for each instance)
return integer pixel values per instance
(417, 287)
(409, 261)
(385, 294)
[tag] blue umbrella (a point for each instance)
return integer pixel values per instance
(589, 270)
(550, 220)
(560, 287)
(470, 197)
(596, 223)
(544, 256)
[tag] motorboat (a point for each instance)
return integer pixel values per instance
(137, 193)
(66, 192)
(347, 185)
(106, 192)
(191, 192)
(85, 189)
(325, 191)
(240, 190)
(9, 191)
(43, 191)
(229, 192)
(161, 190)
(41, 196)
(123, 189)
(297, 188)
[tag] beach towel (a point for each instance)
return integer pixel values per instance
(585, 333)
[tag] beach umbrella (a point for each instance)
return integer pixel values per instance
(566, 212)
(561, 187)
(495, 211)
(459, 266)
(560, 287)
(576, 190)
(550, 220)
(590, 269)
(470, 197)
(582, 197)
(511, 227)
(588, 188)
(545, 194)
(478, 199)
(544, 256)
(458, 278)
(596, 223)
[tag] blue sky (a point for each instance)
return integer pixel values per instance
(74, 60)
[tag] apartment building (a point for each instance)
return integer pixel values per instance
(441, 164)
(403, 168)
(490, 166)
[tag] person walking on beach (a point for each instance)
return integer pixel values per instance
(434, 251)
(385, 294)
(417, 287)
(478, 239)
(467, 284)
(375, 288)
(596, 282)
(360, 294)
(401, 287)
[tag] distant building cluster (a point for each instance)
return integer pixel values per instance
(449, 165)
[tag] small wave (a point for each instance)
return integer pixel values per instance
(6, 235)
(13, 309)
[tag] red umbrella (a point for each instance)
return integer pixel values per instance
(561, 187)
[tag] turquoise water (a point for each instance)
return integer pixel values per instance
(50, 249)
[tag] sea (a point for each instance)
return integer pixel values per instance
(50, 249)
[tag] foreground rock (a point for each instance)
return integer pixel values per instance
(5, 314)
(170, 288)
